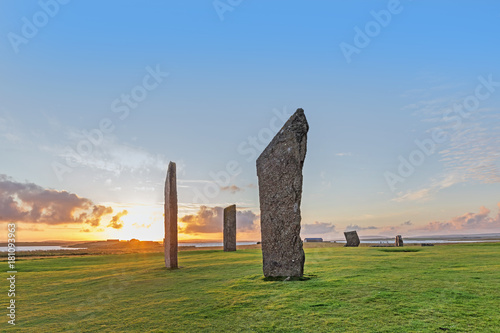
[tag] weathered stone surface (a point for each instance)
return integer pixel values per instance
(230, 228)
(399, 240)
(170, 240)
(352, 239)
(279, 169)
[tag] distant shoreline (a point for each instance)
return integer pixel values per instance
(101, 248)
(458, 237)
(109, 247)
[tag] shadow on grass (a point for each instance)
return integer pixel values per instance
(289, 278)
(163, 268)
(400, 250)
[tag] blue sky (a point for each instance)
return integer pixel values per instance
(227, 82)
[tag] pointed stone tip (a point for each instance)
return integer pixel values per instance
(298, 116)
(171, 171)
(296, 124)
(299, 113)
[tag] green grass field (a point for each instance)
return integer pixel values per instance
(452, 288)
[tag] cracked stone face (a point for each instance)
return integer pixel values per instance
(279, 169)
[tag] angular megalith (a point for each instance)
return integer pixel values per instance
(352, 239)
(399, 240)
(170, 240)
(279, 169)
(230, 228)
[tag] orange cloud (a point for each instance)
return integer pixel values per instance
(233, 189)
(30, 203)
(210, 220)
(481, 220)
(116, 221)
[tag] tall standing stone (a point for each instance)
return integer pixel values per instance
(279, 169)
(230, 228)
(399, 240)
(170, 241)
(352, 239)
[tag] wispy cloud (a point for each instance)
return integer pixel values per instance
(232, 188)
(114, 158)
(471, 152)
(434, 186)
(422, 194)
(353, 227)
(142, 225)
(343, 154)
(10, 129)
(317, 228)
(72, 148)
(474, 152)
(326, 179)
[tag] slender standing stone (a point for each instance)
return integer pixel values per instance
(170, 240)
(230, 228)
(279, 169)
(352, 239)
(399, 240)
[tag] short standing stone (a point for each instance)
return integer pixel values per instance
(399, 240)
(352, 239)
(279, 169)
(170, 241)
(230, 228)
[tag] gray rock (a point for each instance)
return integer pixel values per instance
(170, 240)
(352, 239)
(279, 169)
(399, 240)
(230, 228)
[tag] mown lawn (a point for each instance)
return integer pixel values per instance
(452, 288)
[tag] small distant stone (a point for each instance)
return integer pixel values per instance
(399, 240)
(352, 239)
